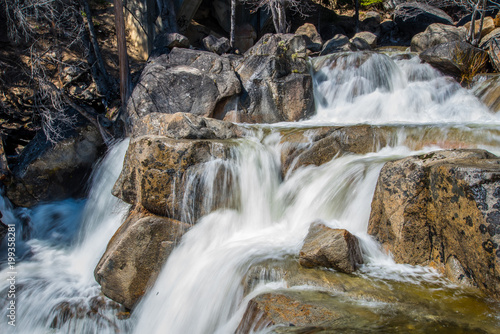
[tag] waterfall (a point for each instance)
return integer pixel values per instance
(202, 286)
(62, 243)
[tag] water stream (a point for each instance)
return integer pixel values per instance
(204, 287)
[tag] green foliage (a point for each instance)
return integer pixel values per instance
(367, 3)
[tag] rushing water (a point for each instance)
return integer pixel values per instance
(204, 286)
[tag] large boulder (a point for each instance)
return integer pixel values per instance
(166, 175)
(414, 17)
(185, 80)
(368, 37)
(49, 171)
(135, 254)
(442, 209)
(217, 45)
(436, 34)
(166, 41)
(313, 40)
(457, 59)
(276, 82)
(331, 248)
(305, 147)
(337, 43)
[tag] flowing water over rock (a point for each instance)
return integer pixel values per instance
(233, 255)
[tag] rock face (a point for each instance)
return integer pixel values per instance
(330, 248)
(135, 255)
(488, 91)
(184, 81)
(414, 17)
(276, 82)
(455, 58)
(286, 308)
(165, 175)
(440, 207)
(436, 34)
(318, 146)
(51, 172)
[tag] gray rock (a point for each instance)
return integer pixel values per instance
(338, 43)
(186, 81)
(185, 126)
(436, 34)
(273, 91)
(217, 45)
(414, 17)
(50, 172)
(314, 40)
(454, 58)
(368, 37)
(331, 248)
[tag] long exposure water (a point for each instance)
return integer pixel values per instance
(202, 288)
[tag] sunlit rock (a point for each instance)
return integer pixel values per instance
(435, 34)
(331, 248)
(135, 255)
(444, 204)
(314, 42)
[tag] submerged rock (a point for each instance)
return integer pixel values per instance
(135, 255)
(51, 172)
(430, 208)
(318, 146)
(331, 248)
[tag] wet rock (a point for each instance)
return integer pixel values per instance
(135, 255)
(430, 207)
(285, 308)
(455, 58)
(51, 172)
(314, 42)
(331, 248)
(338, 43)
(185, 80)
(436, 34)
(368, 37)
(274, 90)
(488, 91)
(185, 126)
(318, 146)
(217, 45)
(414, 17)
(165, 175)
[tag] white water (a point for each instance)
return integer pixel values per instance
(68, 238)
(200, 289)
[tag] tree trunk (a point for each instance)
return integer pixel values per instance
(101, 76)
(483, 12)
(167, 12)
(471, 34)
(356, 15)
(125, 82)
(233, 23)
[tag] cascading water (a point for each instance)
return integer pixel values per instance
(62, 243)
(204, 286)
